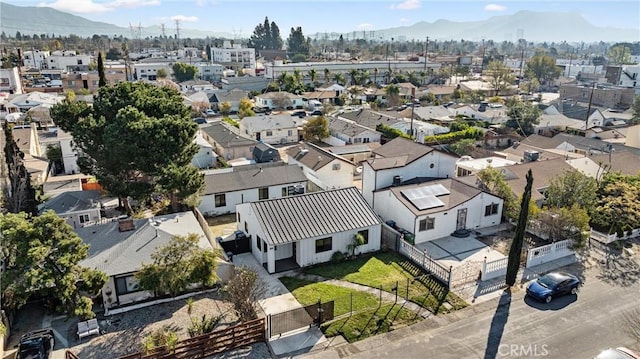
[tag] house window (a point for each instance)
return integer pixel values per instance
(284, 191)
(220, 200)
(84, 218)
(126, 285)
(71, 83)
(290, 133)
(258, 243)
(426, 224)
(79, 62)
(238, 217)
(365, 234)
(264, 247)
(263, 193)
(491, 209)
(336, 167)
(323, 245)
(269, 133)
(96, 82)
(246, 227)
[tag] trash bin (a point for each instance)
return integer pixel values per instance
(230, 255)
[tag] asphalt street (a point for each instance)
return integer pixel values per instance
(578, 326)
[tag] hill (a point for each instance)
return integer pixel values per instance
(30, 20)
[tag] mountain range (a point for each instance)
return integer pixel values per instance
(530, 25)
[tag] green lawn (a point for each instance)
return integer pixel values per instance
(370, 322)
(388, 269)
(307, 292)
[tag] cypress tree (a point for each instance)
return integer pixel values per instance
(102, 79)
(516, 246)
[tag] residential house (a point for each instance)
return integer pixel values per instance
(148, 71)
(121, 248)
(58, 137)
(78, 208)
(245, 83)
(481, 86)
(196, 86)
(401, 160)
(467, 166)
(440, 91)
(345, 132)
(281, 99)
(67, 60)
(493, 115)
(324, 169)
(434, 113)
(355, 153)
(228, 187)
(567, 143)
(90, 80)
(227, 140)
(263, 153)
(436, 209)
(601, 95)
(233, 97)
(308, 229)
(420, 129)
(272, 129)
(368, 118)
(206, 157)
(27, 101)
(10, 81)
(34, 158)
(234, 56)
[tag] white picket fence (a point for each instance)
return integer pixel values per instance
(494, 269)
(548, 253)
(608, 238)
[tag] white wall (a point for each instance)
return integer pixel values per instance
(204, 158)
(278, 136)
(328, 178)
(69, 158)
(307, 248)
(73, 219)
(207, 204)
(390, 208)
(368, 182)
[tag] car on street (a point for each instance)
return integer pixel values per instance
(552, 285)
(618, 353)
(200, 120)
(37, 344)
(209, 112)
(316, 113)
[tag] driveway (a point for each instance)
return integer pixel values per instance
(454, 251)
(277, 297)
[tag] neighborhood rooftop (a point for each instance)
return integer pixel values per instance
(253, 176)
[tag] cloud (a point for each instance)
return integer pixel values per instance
(494, 7)
(407, 5)
(365, 26)
(92, 7)
(184, 18)
(404, 19)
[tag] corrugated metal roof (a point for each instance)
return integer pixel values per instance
(316, 214)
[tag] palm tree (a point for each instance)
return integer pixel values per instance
(353, 74)
(393, 94)
(423, 75)
(339, 78)
(327, 75)
(297, 75)
(313, 75)
(375, 76)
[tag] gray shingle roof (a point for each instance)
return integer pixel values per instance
(342, 126)
(312, 156)
(226, 135)
(397, 153)
(75, 201)
(316, 214)
(253, 176)
(369, 119)
(116, 252)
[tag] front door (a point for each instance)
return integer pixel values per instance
(462, 219)
(294, 244)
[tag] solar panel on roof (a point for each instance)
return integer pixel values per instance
(425, 197)
(427, 202)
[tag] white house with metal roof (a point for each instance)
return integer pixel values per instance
(226, 188)
(272, 129)
(121, 248)
(308, 229)
(436, 209)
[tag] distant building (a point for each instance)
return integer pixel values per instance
(67, 60)
(234, 56)
(10, 81)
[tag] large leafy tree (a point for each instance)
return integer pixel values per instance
(500, 77)
(522, 117)
(42, 255)
(184, 72)
(177, 265)
(245, 109)
(136, 139)
(296, 43)
(571, 188)
(392, 91)
(515, 250)
(617, 209)
(494, 181)
(316, 129)
(619, 55)
(542, 67)
(635, 119)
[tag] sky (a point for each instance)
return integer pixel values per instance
(240, 17)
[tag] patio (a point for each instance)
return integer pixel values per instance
(454, 251)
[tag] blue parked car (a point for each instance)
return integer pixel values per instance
(553, 285)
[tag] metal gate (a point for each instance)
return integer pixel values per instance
(313, 314)
(466, 274)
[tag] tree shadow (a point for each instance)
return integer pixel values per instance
(619, 269)
(498, 323)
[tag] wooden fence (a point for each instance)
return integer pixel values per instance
(70, 355)
(209, 344)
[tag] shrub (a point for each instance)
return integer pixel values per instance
(162, 337)
(204, 325)
(337, 257)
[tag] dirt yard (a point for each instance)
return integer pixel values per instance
(222, 226)
(123, 333)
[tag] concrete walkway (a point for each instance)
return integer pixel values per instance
(389, 297)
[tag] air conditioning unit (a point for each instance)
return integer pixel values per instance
(397, 180)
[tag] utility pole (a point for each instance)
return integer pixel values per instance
(178, 32)
(570, 61)
(164, 38)
(426, 53)
(482, 64)
(586, 117)
(521, 66)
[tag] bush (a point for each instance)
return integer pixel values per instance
(337, 257)
(204, 325)
(161, 337)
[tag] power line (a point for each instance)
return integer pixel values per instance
(177, 29)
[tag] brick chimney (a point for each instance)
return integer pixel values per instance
(125, 225)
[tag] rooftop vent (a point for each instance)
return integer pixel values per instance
(126, 224)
